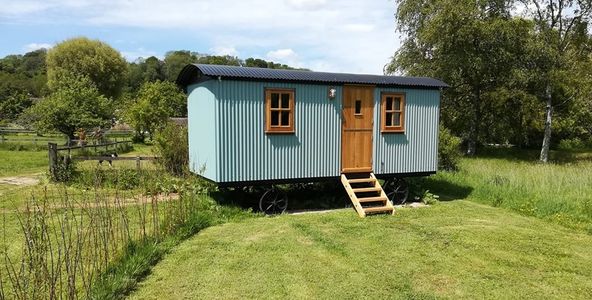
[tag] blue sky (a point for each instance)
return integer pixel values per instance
(324, 35)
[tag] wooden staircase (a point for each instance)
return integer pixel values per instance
(366, 194)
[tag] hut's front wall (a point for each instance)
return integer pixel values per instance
(227, 136)
(246, 153)
(415, 151)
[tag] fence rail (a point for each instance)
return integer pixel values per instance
(106, 145)
(137, 159)
(54, 157)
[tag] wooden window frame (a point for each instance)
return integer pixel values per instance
(278, 129)
(384, 111)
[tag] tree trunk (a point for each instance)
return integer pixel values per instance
(547, 138)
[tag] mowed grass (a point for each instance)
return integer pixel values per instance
(557, 192)
(456, 249)
(14, 163)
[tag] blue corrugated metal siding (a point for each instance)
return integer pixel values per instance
(201, 111)
(246, 153)
(417, 149)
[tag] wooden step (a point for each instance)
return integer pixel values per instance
(378, 209)
(367, 190)
(372, 186)
(362, 180)
(372, 199)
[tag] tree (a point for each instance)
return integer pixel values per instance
(473, 45)
(155, 103)
(145, 70)
(74, 104)
(561, 25)
(175, 61)
(93, 59)
(13, 105)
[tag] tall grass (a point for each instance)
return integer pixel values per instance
(98, 244)
(559, 192)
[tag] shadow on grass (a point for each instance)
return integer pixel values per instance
(308, 196)
(447, 190)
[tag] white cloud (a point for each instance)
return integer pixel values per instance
(222, 50)
(345, 35)
(359, 27)
(306, 4)
(282, 54)
(139, 53)
(35, 46)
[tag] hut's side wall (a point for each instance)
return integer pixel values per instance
(417, 149)
(246, 153)
(201, 123)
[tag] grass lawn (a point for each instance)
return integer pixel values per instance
(454, 249)
(559, 192)
(22, 162)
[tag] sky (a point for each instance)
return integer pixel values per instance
(355, 36)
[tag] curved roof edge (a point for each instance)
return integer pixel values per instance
(194, 73)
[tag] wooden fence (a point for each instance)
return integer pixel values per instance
(137, 159)
(54, 157)
(115, 146)
(9, 135)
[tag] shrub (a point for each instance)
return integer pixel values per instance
(171, 146)
(571, 144)
(65, 170)
(448, 150)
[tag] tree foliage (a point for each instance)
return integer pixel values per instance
(154, 104)
(93, 59)
(499, 66)
(74, 104)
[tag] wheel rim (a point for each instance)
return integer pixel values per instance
(398, 190)
(273, 202)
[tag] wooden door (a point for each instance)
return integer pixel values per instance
(356, 129)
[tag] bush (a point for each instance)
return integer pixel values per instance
(171, 146)
(448, 150)
(65, 170)
(572, 144)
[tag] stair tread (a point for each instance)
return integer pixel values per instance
(377, 209)
(372, 199)
(361, 180)
(367, 189)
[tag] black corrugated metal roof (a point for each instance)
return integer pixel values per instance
(198, 72)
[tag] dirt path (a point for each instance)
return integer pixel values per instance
(20, 180)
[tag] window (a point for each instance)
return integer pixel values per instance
(393, 112)
(279, 111)
(358, 110)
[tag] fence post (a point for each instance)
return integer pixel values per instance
(53, 158)
(138, 163)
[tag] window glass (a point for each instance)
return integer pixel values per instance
(275, 100)
(389, 119)
(397, 103)
(275, 118)
(397, 119)
(389, 103)
(285, 118)
(358, 108)
(285, 100)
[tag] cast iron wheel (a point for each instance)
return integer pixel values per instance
(397, 190)
(274, 201)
